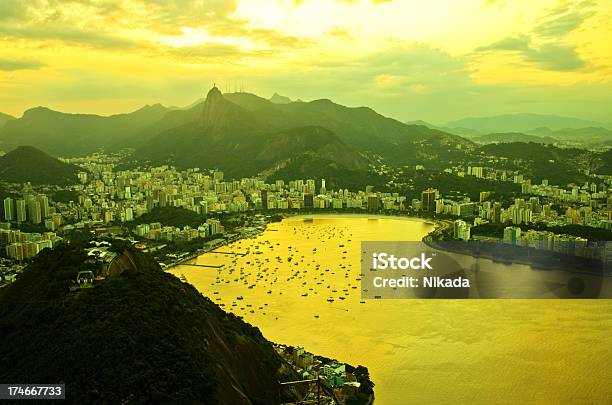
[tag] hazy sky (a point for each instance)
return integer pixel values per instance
(435, 60)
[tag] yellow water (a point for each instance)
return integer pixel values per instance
(417, 351)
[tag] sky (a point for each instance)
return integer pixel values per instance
(435, 60)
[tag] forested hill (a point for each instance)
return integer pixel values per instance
(139, 337)
(29, 164)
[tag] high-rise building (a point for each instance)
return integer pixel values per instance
(215, 226)
(9, 211)
(496, 212)
(310, 185)
(35, 211)
(484, 195)
(526, 186)
(264, 199)
(512, 235)
(308, 200)
(476, 171)
(217, 176)
(44, 205)
(82, 177)
(461, 230)
(373, 203)
(108, 216)
(20, 210)
(428, 199)
(323, 189)
(15, 251)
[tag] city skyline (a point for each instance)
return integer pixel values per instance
(437, 62)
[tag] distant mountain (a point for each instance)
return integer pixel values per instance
(4, 118)
(589, 136)
(243, 141)
(519, 123)
(27, 163)
(140, 336)
(278, 99)
(65, 134)
(465, 132)
(507, 137)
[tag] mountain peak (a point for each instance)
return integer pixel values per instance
(214, 94)
(37, 111)
(220, 114)
(21, 149)
(214, 110)
(27, 163)
(278, 99)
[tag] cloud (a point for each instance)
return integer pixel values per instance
(556, 57)
(562, 21)
(389, 79)
(9, 65)
(137, 26)
(67, 34)
(548, 56)
(207, 53)
(12, 9)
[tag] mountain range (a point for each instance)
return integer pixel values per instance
(507, 137)
(520, 123)
(538, 128)
(244, 134)
(240, 133)
(64, 134)
(585, 137)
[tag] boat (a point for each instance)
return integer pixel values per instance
(330, 300)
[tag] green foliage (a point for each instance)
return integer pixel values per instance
(29, 227)
(366, 388)
(143, 337)
(65, 196)
(537, 162)
(311, 166)
(171, 216)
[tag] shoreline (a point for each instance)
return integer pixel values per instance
(437, 224)
(366, 216)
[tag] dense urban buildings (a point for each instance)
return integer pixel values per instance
(106, 197)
